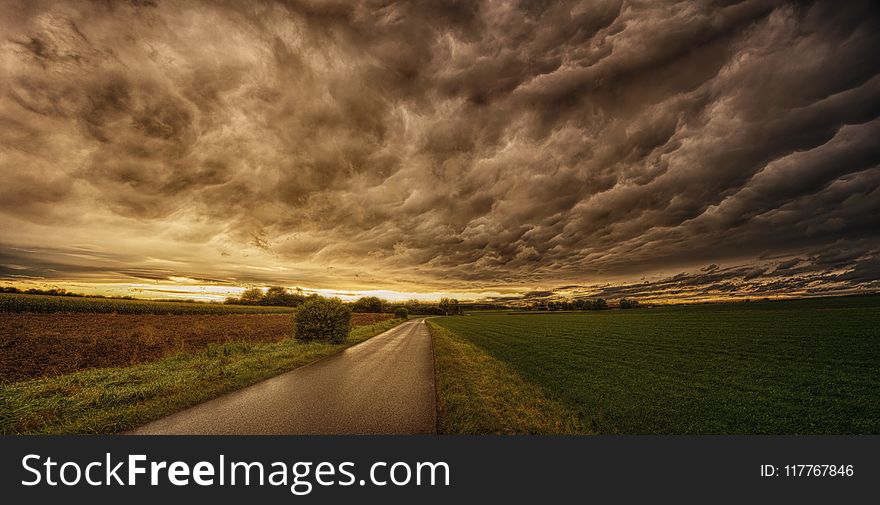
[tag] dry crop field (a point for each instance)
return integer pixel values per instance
(22, 302)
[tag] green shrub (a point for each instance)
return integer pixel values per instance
(401, 313)
(323, 319)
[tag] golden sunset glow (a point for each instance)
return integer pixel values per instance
(477, 150)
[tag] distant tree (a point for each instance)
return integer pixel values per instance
(252, 296)
(368, 304)
(422, 308)
(280, 297)
(445, 306)
(413, 306)
(449, 307)
(298, 297)
(628, 304)
(599, 304)
(560, 305)
(401, 313)
(275, 295)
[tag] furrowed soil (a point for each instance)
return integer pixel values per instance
(45, 345)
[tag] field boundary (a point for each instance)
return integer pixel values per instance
(434, 378)
(477, 394)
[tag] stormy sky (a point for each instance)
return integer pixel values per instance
(639, 148)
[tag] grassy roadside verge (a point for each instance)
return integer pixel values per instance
(109, 400)
(478, 394)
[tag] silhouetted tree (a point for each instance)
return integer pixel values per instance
(628, 304)
(445, 306)
(368, 304)
(251, 296)
(449, 307)
(281, 297)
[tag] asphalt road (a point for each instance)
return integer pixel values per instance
(382, 386)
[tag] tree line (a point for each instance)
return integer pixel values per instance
(583, 304)
(54, 292)
(274, 296)
(279, 296)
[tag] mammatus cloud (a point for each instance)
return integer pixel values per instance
(443, 145)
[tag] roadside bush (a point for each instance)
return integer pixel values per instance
(323, 319)
(401, 313)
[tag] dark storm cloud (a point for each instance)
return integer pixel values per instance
(859, 275)
(446, 144)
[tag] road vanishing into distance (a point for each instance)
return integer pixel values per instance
(384, 385)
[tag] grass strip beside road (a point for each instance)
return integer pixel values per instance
(479, 394)
(110, 400)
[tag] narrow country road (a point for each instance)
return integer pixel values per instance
(382, 386)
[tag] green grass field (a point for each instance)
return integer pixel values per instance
(792, 367)
(20, 302)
